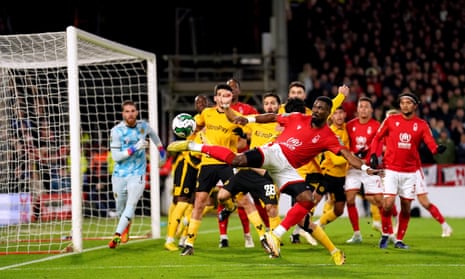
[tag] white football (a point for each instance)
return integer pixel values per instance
(183, 125)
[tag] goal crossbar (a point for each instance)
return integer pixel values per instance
(70, 84)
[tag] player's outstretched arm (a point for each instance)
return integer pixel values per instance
(357, 163)
(266, 118)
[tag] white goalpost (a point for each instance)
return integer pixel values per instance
(60, 94)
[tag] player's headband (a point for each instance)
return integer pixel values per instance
(412, 97)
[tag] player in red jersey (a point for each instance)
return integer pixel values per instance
(422, 195)
(242, 108)
(361, 131)
(303, 137)
(402, 135)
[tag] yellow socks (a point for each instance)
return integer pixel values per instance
(327, 217)
(274, 221)
(175, 218)
(257, 222)
(192, 231)
(320, 235)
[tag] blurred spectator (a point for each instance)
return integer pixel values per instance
(97, 184)
(457, 128)
(460, 150)
(306, 77)
(448, 156)
(437, 127)
(378, 114)
(446, 114)
(456, 98)
(60, 175)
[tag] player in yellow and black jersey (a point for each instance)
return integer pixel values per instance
(255, 181)
(334, 169)
(218, 130)
(184, 173)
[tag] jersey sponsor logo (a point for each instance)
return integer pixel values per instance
(217, 128)
(360, 142)
(263, 134)
(293, 143)
(404, 141)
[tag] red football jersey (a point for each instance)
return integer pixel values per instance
(361, 135)
(243, 108)
(402, 138)
(300, 142)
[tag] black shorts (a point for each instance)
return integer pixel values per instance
(294, 189)
(334, 185)
(209, 175)
(259, 186)
(313, 179)
(184, 178)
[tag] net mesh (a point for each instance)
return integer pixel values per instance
(35, 180)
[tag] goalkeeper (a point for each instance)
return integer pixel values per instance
(128, 145)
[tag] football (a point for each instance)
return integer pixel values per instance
(183, 125)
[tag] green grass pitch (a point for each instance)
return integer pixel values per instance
(429, 256)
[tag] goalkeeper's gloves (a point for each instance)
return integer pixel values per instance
(441, 148)
(374, 161)
(361, 153)
(141, 144)
(239, 132)
(163, 155)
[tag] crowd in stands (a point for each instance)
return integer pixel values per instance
(381, 48)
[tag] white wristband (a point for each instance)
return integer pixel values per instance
(251, 119)
(364, 168)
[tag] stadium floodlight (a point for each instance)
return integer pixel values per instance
(61, 92)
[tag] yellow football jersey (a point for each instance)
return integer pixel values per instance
(333, 164)
(218, 131)
(261, 133)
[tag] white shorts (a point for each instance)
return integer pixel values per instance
(420, 188)
(400, 183)
(278, 166)
(371, 183)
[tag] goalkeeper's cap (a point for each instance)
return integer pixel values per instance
(411, 96)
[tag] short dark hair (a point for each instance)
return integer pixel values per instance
(221, 86)
(326, 100)
(128, 102)
(296, 84)
(295, 105)
(271, 94)
(366, 99)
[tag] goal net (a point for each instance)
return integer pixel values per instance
(60, 94)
